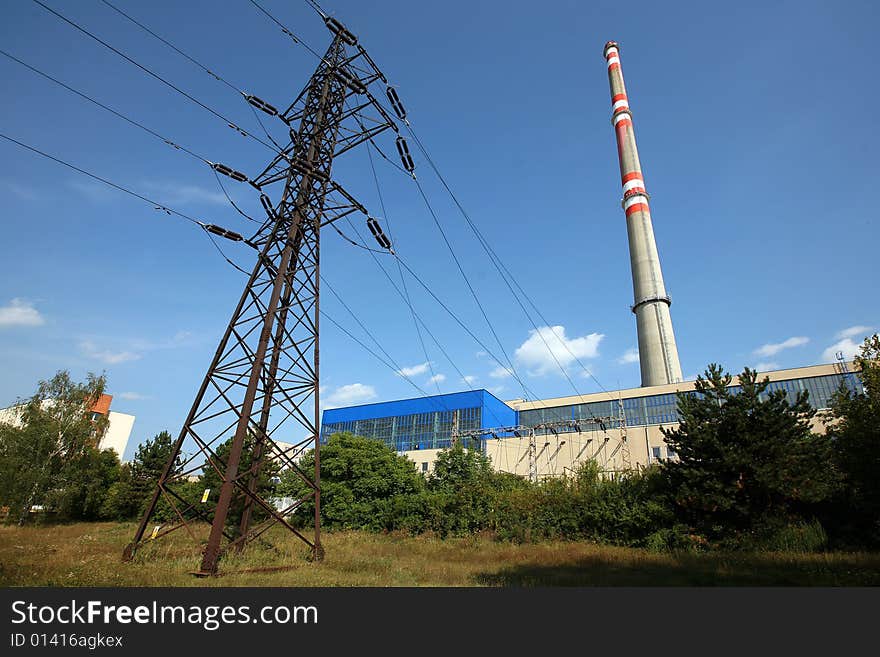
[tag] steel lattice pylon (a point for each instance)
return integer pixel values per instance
(265, 371)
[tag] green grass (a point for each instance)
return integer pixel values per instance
(89, 554)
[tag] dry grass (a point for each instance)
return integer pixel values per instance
(88, 554)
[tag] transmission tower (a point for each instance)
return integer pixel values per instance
(848, 377)
(265, 372)
(533, 458)
(625, 458)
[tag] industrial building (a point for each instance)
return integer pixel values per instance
(119, 425)
(419, 428)
(620, 430)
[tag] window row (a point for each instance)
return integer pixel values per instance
(662, 409)
(432, 430)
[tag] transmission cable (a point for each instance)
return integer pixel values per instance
(180, 91)
(207, 70)
(400, 269)
(156, 205)
(512, 369)
(502, 270)
(419, 318)
(493, 256)
(421, 321)
(173, 47)
(390, 362)
(285, 30)
(498, 265)
(135, 123)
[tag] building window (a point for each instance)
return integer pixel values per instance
(670, 453)
(424, 466)
(656, 452)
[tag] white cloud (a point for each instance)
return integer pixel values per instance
(629, 356)
(94, 191)
(23, 192)
(501, 372)
(91, 350)
(178, 194)
(848, 346)
(771, 348)
(437, 378)
(469, 379)
(131, 396)
(766, 366)
(414, 370)
(182, 336)
(539, 359)
(353, 393)
(497, 390)
(20, 313)
(855, 331)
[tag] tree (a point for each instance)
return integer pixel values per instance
(747, 459)
(55, 428)
(360, 478)
(120, 502)
(147, 467)
(85, 482)
(854, 425)
(128, 496)
(457, 467)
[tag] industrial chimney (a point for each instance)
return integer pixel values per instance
(658, 355)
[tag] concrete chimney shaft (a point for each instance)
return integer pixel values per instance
(658, 354)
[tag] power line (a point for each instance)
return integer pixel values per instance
(283, 27)
(231, 202)
(496, 262)
(195, 221)
(499, 266)
(286, 30)
(173, 47)
(510, 365)
(180, 91)
(447, 309)
(397, 367)
(156, 204)
(473, 292)
(418, 317)
(202, 66)
(390, 362)
(135, 123)
(400, 270)
(314, 5)
(493, 256)
(120, 115)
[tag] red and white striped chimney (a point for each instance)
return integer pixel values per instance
(658, 354)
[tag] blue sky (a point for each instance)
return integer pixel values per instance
(755, 129)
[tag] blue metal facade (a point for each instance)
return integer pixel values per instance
(421, 422)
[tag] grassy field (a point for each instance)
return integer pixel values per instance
(88, 554)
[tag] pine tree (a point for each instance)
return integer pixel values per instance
(854, 425)
(746, 459)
